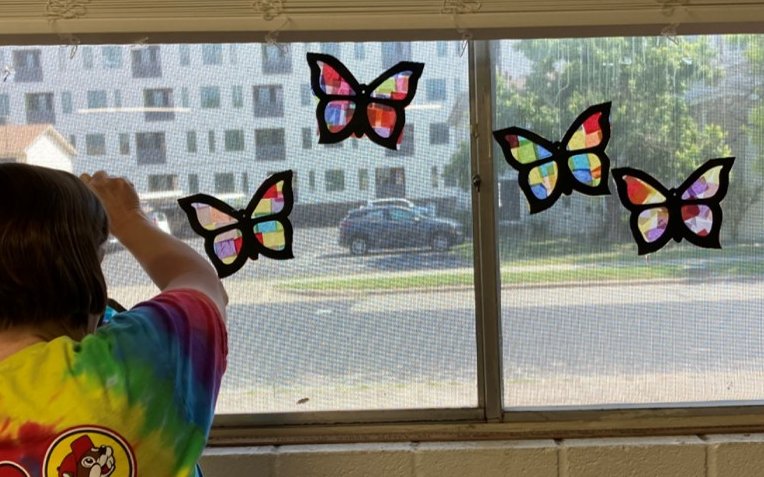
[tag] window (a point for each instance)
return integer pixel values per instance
(268, 101)
(442, 47)
(159, 105)
(184, 52)
(306, 95)
(87, 57)
(193, 183)
(212, 54)
(334, 179)
(395, 52)
(360, 51)
(150, 148)
(117, 98)
(225, 183)
(184, 97)
(389, 182)
(210, 96)
(277, 59)
(124, 144)
(112, 57)
(211, 140)
(146, 62)
(190, 141)
(95, 144)
(233, 53)
(39, 108)
(237, 96)
(245, 182)
(363, 179)
(27, 66)
(234, 140)
(270, 145)
(5, 105)
(307, 138)
(331, 49)
(97, 99)
(406, 147)
(439, 133)
(312, 180)
(436, 89)
(162, 182)
(434, 177)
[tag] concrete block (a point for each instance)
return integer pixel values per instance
(350, 460)
(230, 461)
(487, 459)
(633, 457)
(735, 455)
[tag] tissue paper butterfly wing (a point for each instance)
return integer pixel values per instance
(700, 202)
(222, 229)
(585, 143)
(386, 103)
(648, 202)
(267, 217)
(337, 92)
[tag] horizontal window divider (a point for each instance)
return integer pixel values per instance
(518, 425)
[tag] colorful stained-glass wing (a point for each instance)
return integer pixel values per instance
(641, 192)
(338, 115)
(708, 181)
(698, 218)
(543, 180)
(383, 120)
(586, 169)
(525, 150)
(269, 212)
(652, 224)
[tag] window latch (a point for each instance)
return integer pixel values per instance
(476, 181)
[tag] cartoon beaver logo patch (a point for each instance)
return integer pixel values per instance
(89, 452)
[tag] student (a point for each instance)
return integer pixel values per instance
(133, 397)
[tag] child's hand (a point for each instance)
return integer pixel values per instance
(119, 198)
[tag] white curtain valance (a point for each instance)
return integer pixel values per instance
(45, 21)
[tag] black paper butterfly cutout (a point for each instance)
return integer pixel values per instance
(692, 211)
(346, 107)
(547, 170)
(231, 236)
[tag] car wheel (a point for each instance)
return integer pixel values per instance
(440, 242)
(358, 246)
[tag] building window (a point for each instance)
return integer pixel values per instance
(406, 147)
(210, 96)
(442, 47)
(27, 66)
(112, 57)
(87, 57)
(307, 138)
(97, 99)
(245, 182)
(363, 179)
(212, 54)
(211, 140)
(95, 144)
(40, 109)
(434, 177)
(268, 101)
(225, 183)
(63, 58)
(184, 51)
(334, 180)
(394, 52)
(234, 140)
(191, 141)
(237, 96)
(331, 49)
(146, 62)
(436, 89)
(277, 59)
(117, 98)
(66, 102)
(233, 53)
(124, 144)
(306, 94)
(150, 148)
(193, 183)
(156, 100)
(5, 105)
(439, 133)
(389, 182)
(360, 51)
(270, 145)
(162, 182)
(184, 97)
(312, 180)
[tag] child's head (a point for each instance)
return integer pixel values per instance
(52, 229)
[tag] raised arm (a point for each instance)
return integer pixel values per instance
(169, 262)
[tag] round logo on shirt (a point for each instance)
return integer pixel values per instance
(9, 469)
(89, 452)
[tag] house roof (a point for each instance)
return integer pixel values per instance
(15, 139)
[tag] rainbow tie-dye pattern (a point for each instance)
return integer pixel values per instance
(144, 385)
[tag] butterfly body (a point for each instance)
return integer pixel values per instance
(347, 107)
(547, 170)
(232, 236)
(691, 211)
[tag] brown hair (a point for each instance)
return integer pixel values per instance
(52, 228)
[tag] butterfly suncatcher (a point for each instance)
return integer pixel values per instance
(547, 170)
(346, 107)
(231, 236)
(692, 211)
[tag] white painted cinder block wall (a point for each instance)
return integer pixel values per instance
(685, 456)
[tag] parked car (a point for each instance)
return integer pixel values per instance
(400, 202)
(388, 227)
(159, 219)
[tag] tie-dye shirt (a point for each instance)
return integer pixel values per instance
(136, 398)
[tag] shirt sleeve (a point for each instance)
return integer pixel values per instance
(175, 341)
